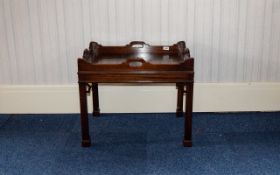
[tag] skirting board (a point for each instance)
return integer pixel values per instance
(208, 97)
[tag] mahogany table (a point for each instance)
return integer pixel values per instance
(136, 62)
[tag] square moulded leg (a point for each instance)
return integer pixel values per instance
(180, 96)
(84, 115)
(95, 100)
(187, 142)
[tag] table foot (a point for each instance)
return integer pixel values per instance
(86, 143)
(96, 113)
(187, 143)
(179, 113)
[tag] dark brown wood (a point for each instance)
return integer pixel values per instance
(180, 96)
(136, 62)
(84, 115)
(95, 100)
(187, 142)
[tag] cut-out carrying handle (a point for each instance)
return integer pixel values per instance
(135, 62)
(137, 44)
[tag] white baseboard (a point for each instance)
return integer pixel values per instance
(208, 97)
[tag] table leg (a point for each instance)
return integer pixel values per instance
(187, 142)
(95, 100)
(84, 115)
(180, 95)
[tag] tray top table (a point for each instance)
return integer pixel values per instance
(136, 62)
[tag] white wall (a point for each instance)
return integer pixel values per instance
(208, 97)
(231, 40)
(234, 42)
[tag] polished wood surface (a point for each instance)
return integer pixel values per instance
(136, 62)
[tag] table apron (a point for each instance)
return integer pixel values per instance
(114, 77)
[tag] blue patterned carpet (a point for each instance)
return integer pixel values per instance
(223, 143)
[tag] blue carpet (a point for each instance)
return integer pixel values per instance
(223, 143)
